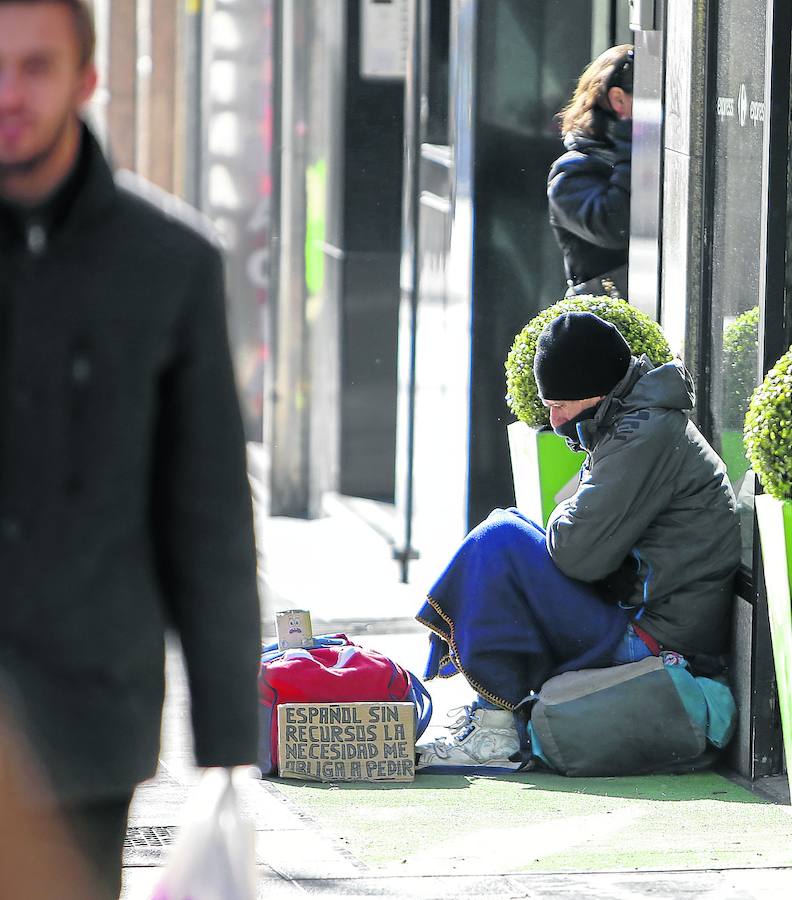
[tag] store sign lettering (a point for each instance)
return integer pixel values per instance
(757, 113)
(729, 108)
(725, 107)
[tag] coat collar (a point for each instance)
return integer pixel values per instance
(611, 406)
(84, 194)
(644, 386)
(96, 188)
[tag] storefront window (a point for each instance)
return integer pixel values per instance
(736, 149)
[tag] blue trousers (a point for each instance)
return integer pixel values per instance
(505, 616)
(629, 649)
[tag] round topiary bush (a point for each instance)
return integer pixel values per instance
(641, 333)
(740, 352)
(768, 430)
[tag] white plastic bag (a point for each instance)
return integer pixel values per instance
(213, 857)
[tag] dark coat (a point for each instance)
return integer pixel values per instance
(124, 501)
(588, 194)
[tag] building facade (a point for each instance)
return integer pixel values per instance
(377, 172)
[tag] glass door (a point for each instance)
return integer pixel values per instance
(736, 148)
(745, 150)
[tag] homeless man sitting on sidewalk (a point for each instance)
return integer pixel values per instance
(640, 559)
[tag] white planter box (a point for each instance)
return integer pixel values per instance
(544, 469)
(775, 529)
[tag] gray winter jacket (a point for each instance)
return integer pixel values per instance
(652, 488)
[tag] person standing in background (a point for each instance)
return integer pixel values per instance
(125, 508)
(588, 188)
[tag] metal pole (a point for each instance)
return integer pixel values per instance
(410, 277)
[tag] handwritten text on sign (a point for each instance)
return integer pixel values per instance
(347, 741)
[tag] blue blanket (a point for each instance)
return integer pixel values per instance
(503, 614)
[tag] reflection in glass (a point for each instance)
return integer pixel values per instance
(736, 148)
(740, 353)
(740, 359)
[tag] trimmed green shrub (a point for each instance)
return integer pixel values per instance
(740, 354)
(768, 430)
(643, 335)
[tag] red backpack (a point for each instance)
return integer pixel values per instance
(334, 670)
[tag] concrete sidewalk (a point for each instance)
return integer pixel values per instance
(341, 569)
(294, 857)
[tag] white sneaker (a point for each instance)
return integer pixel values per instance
(479, 737)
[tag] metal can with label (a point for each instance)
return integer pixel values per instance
(293, 628)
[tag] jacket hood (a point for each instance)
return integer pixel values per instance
(583, 143)
(615, 130)
(645, 386)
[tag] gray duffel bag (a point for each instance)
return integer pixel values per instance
(651, 716)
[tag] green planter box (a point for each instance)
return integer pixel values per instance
(775, 528)
(544, 469)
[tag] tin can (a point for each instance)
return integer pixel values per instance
(293, 627)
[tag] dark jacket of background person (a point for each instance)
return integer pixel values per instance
(124, 501)
(588, 192)
(652, 488)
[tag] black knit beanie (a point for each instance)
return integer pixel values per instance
(579, 355)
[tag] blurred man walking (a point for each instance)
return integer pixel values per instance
(124, 503)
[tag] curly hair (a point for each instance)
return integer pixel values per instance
(588, 110)
(82, 14)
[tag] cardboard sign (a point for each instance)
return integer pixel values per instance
(346, 741)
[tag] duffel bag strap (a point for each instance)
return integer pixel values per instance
(522, 716)
(270, 652)
(423, 703)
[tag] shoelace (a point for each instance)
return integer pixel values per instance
(459, 729)
(463, 716)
